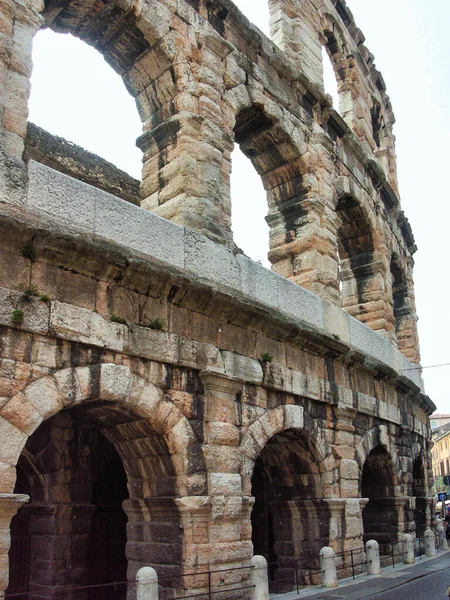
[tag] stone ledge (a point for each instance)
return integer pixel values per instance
(87, 210)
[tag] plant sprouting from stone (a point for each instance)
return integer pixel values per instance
(17, 317)
(117, 319)
(29, 252)
(31, 291)
(266, 357)
(157, 324)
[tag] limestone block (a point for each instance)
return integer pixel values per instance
(349, 469)
(224, 434)
(21, 413)
(210, 262)
(64, 198)
(72, 320)
(349, 488)
(115, 382)
(180, 436)
(224, 484)
(293, 417)
(44, 396)
(152, 344)
(226, 508)
(258, 282)
(13, 441)
(241, 367)
(7, 478)
(154, 21)
(336, 322)
(139, 230)
(299, 303)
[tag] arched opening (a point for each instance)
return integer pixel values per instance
(290, 519)
(248, 209)
(77, 96)
(102, 488)
(380, 518)
(356, 257)
(329, 76)
(419, 491)
(400, 301)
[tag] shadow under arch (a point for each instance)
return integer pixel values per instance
(289, 470)
(380, 515)
(361, 272)
(419, 492)
(96, 421)
(278, 157)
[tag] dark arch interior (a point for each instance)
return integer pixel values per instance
(399, 293)
(380, 518)
(355, 250)
(290, 520)
(102, 488)
(419, 491)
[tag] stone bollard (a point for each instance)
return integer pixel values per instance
(328, 567)
(429, 541)
(373, 557)
(259, 578)
(408, 542)
(147, 584)
(443, 544)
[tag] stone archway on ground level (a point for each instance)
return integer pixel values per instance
(290, 469)
(78, 421)
(421, 514)
(381, 478)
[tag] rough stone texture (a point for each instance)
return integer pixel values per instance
(73, 160)
(243, 411)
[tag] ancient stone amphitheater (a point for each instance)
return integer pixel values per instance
(165, 400)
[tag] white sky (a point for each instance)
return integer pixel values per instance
(85, 101)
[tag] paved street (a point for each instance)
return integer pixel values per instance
(428, 579)
(429, 587)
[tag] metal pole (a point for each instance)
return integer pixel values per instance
(296, 576)
(353, 564)
(209, 585)
(393, 557)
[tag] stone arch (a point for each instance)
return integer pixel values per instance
(277, 420)
(108, 406)
(381, 481)
(332, 38)
(287, 468)
(108, 382)
(277, 144)
(379, 436)
(182, 170)
(403, 308)
(361, 267)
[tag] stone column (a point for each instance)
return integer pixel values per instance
(229, 531)
(9, 505)
(303, 243)
(406, 321)
(364, 293)
(188, 142)
(20, 21)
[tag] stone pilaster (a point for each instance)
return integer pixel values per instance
(9, 505)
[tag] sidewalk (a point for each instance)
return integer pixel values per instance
(365, 586)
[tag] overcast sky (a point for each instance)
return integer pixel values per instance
(76, 95)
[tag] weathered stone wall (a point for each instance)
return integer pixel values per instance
(220, 385)
(57, 153)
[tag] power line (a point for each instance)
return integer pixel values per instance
(428, 367)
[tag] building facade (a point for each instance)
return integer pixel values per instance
(164, 400)
(440, 454)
